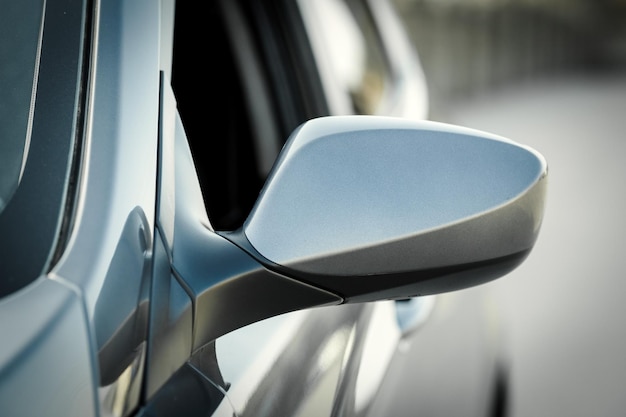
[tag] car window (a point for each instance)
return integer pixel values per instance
(264, 89)
(20, 27)
(367, 91)
(355, 54)
(220, 136)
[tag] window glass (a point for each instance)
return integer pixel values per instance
(367, 93)
(220, 139)
(355, 53)
(20, 27)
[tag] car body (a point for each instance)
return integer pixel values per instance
(162, 252)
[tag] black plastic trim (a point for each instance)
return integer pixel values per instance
(79, 134)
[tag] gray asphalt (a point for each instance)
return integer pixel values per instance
(565, 307)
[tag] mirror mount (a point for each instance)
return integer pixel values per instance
(228, 288)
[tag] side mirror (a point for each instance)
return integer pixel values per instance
(372, 208)
(360, 208)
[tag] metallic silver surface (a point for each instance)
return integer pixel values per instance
(115, 215)
(38, 341)
(366, 195)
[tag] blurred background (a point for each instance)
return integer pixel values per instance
(476, 46)
(550, 74)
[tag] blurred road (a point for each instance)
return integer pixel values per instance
(565, 307)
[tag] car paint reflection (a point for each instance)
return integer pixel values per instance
(273, 367)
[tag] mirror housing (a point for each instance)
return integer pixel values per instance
(373, 208)
(356, 208)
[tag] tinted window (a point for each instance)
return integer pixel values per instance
(219, 135)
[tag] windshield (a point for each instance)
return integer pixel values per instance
(20, 33)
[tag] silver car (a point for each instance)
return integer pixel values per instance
(238, 208)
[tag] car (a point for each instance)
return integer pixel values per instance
(237, 208)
